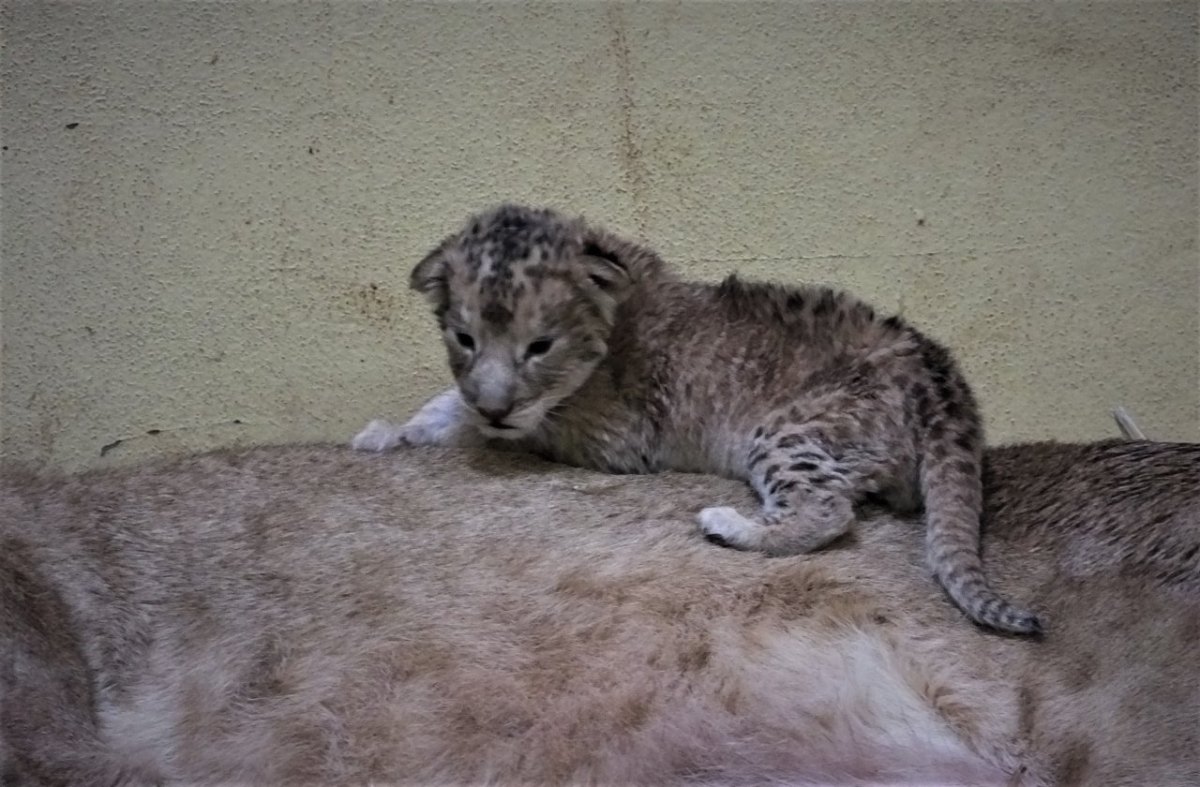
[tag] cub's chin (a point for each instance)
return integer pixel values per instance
(522, 424)
(516, 426)
(499, 433)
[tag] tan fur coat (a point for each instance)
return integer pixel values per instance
(313, 615)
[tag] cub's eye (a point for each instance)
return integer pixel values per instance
(539, 346)
(465, 340)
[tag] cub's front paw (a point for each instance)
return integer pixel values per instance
(378, 436)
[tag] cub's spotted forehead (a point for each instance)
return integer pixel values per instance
(504, 261)
(512, 237)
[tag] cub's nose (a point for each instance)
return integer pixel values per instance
(495, 414)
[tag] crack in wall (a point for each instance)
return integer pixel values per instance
(887, 255)
(629, 151)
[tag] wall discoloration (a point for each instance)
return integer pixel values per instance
(373, 304)
(629, 151)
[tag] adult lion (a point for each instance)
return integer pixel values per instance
(313, 615)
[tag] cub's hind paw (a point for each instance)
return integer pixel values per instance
(725, 526)
(378, 436)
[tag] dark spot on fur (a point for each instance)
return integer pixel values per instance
(952, 408)
(936, 360)
(497, 314)
(825, 304)
(920, 394)
(633, 714)
(695, 658)
(1082, 672)
(1026, 712)
(265, 679)
(1073, 767)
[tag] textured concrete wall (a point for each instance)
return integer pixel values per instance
(210, 210)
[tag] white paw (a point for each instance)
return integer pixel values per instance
(726, 524)
(443, 420)
(440, 421)
(424, 431)
(378, 436)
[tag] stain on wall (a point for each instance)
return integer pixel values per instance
(209, 213)
(372, 304)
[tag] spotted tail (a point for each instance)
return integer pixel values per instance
(952, 549)
(952, 488)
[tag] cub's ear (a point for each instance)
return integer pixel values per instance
(615, 264)
(429, 275)
(605, 267)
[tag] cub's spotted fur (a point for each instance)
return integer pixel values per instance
(583, 346)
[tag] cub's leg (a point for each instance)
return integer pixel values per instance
(808, 476)
(443, 420)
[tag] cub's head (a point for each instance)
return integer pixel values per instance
(526, 300)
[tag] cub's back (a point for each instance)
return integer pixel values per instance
(752, 335)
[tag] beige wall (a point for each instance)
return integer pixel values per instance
(217, 253)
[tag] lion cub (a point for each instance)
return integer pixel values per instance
(583, 346)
